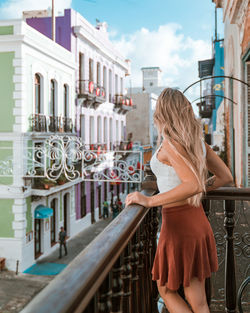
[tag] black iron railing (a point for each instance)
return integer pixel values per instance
(205, 110)
(113, 274)
(228, 210)
(38, 122)
(89, 88)
(43, 123)
(123, 104)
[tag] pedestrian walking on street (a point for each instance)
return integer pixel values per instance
(62, 242)
(119, 203)
(105, 209)
(186, 252)
(115, 209)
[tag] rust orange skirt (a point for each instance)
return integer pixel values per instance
(186, 247)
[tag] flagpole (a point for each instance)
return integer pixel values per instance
(53, 21)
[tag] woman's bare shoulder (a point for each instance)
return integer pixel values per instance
(173, 148)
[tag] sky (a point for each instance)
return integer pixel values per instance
(173, 35)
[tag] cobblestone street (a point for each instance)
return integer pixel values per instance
(17, 290)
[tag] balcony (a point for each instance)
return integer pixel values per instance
(91, 94)
(123, 145)
(123, 104)
(113, 274)
(42, 123)
(205, 110)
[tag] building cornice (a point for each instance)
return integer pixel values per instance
(27, 35)
(236, 11)
(103, 46)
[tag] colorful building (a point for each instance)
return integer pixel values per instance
(101, 102)
(236, 18)
(71, 87)
(37, 101)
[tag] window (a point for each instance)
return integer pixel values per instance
(105, 78)
(122, 130)
(121, 86)
(91, 130)
(66, 100)
(110, 86)
(117, 130)
(91, 70)
(37, 94)
(110, 130)
(99, 129)
(116, 84)
(53, 91)
(98, 74)
(81, 66)
(83, 127)
(105, 130)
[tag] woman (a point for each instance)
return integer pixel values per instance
(186, 251)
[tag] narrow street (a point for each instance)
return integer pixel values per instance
(17, 290)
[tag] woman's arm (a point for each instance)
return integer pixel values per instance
(222, 175)
(188, 187)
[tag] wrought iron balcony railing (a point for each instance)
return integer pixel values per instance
(113, 274)
(91, 93)
(43, 123)
(205, 110)
(38, 122)
(67, 124)
(123, 104)
(123, 145)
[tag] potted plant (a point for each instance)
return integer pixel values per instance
(62, 179)
(47, 183)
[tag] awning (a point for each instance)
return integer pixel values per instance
(43, 212)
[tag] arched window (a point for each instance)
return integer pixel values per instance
(83, 130)
(117, 130)
(91, 129)
(99, 129)
(110, 130)
(38, 94)
(53, 96)
(110, 86)
(122, 130)
(66, 100)
(98, 74)
(105, 130)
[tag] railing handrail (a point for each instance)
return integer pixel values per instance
(228, 193)
(78, 283)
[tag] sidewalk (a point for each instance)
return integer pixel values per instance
(17, 290)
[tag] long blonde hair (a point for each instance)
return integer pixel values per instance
(176, 122)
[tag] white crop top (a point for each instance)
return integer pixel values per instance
(166, 175)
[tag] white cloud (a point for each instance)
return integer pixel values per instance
(176, 54)
(14, 8)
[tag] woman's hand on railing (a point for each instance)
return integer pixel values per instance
(137, 198)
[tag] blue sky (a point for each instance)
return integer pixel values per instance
(126, 16)
(173, 35)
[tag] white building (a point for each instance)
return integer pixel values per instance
(38, 100)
